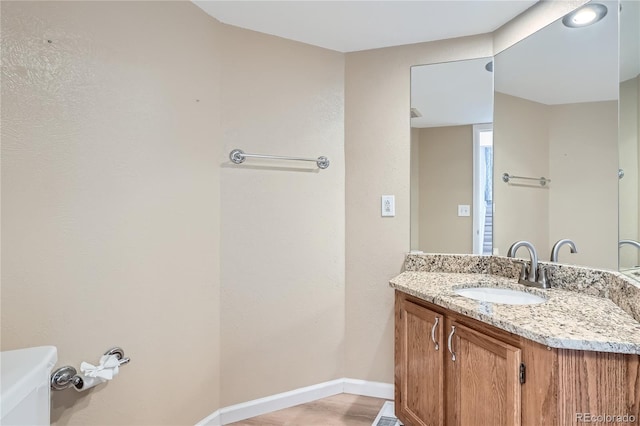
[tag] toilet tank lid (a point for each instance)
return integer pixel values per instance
(22, 371)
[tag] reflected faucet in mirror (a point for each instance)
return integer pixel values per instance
(556, 248)
(634, 243)
(631, 270)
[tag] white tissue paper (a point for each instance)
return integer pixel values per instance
(96, 374)
(108, 367)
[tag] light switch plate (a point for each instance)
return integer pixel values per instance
(388, 205)
(464, 210)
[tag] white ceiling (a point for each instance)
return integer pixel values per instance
(561, 65)
(452, 93)
(348, 26)
(556, 65)
(629, 39)
(555, 53)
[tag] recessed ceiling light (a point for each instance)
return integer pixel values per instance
(586, 15)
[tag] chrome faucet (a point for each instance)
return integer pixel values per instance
(556, 248)
(533, 272)
(537, 277)
(634, 243)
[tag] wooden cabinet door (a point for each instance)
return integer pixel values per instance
(484, 383)
(419, 363)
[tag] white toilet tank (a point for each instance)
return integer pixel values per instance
(24, 385)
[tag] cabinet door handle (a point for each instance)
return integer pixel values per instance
(433, 333)
(450, 343)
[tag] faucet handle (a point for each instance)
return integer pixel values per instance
(524, 270)
(543, 278)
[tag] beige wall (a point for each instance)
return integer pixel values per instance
(575, 145)
(583, 197)
(124, 222)
(520, 148)
(283, 235)
(446, 180)
(377, 148)
(111, 210)
(629, 161)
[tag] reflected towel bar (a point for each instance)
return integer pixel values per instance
(506, 177)
(238, 156)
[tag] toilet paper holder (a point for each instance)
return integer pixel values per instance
(67, 376)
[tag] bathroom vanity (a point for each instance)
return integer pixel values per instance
(565, 361)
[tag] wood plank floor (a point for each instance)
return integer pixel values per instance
(337, 410)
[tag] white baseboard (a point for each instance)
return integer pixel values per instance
(212, 419)
(367, 388)
(257, 407)
(246, 410)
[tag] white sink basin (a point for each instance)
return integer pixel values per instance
(500, 295)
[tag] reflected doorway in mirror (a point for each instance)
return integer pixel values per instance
(483, 189)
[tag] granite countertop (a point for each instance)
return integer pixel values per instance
(568, 319)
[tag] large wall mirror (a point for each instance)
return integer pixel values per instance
(451, 156)
(629, 144)
(555, 115)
